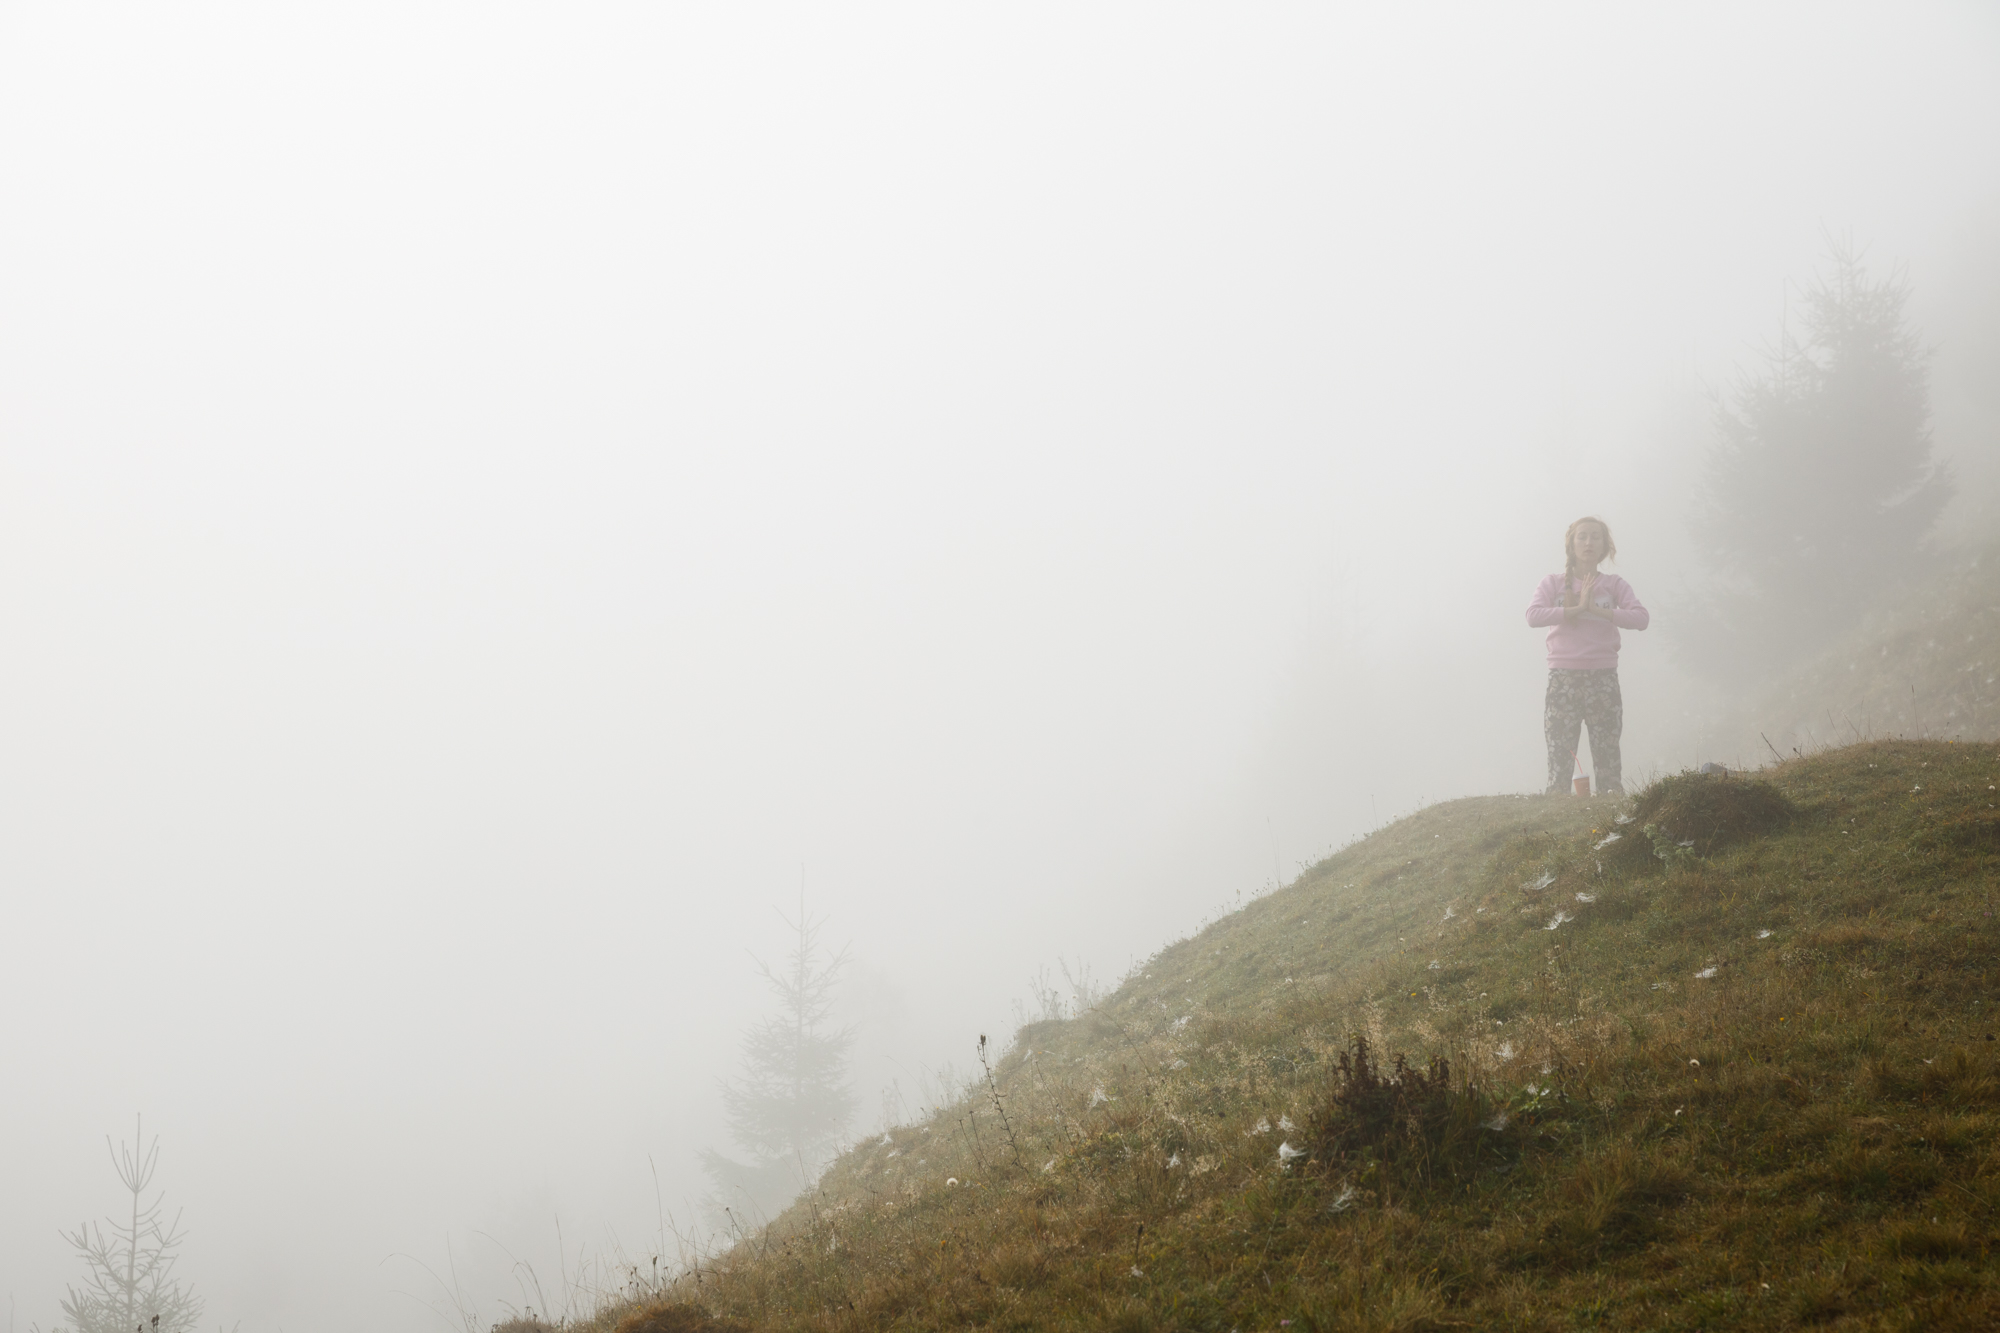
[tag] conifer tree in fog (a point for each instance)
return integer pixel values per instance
(1822, 489)
(791, 1106)
(129, 1282)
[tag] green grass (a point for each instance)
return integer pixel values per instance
(1806, 1136)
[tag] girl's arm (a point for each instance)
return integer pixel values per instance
(1547, 608)
(1626, 612)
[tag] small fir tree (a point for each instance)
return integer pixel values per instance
(1822, 489)
(129, 1282)
(792, 1104)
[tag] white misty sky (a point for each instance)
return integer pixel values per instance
(490, 495)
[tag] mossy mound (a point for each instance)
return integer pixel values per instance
(1697, 815)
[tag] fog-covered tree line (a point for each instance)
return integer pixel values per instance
(1821, 490)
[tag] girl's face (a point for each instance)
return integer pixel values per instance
(1590, 543)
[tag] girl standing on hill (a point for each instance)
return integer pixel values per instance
(1585, 610)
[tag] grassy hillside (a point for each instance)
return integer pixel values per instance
(1735, 1072)
(1926, 665)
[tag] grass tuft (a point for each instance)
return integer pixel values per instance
(675, 1318)
(1404, 1126)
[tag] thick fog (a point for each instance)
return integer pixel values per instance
(495, 500)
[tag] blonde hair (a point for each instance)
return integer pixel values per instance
(1569, 548)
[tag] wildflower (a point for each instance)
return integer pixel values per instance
(1704, 974)
(1606, 841)
(1343, 1200)
(1586, 897)
(1286, 1152)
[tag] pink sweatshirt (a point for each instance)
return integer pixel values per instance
(1586, 643)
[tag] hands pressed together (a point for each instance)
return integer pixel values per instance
(1583, 605)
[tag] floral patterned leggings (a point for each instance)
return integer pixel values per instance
(1577, 698)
